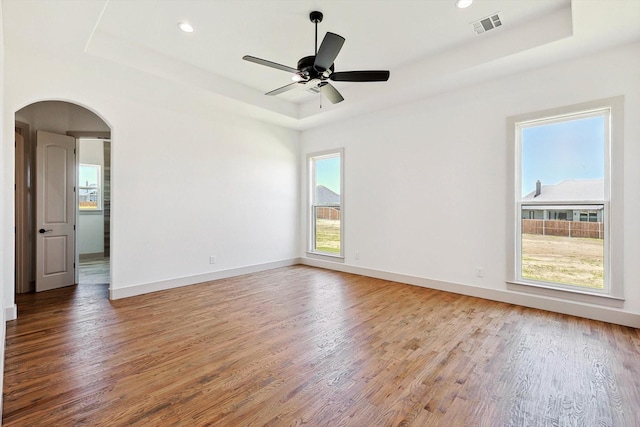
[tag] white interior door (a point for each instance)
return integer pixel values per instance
(55, 211)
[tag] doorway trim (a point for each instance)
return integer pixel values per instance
(22, 206)
(105, 136)
(11, 311)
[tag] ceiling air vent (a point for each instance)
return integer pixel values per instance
(485, 24)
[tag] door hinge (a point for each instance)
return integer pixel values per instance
(74, 151)
(74, 188)
(74, 265)
(74, 226)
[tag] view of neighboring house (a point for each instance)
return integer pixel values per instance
(88, 194)
(558, 198)
(327, 203)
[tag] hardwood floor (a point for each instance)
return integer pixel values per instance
(304, 346)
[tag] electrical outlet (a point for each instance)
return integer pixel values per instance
(212, 259)
(357, 255)
(479, 272)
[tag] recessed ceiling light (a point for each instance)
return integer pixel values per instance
(186, 27)
(461, 4)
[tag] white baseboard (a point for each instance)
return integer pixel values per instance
(11, 313)
(574, 308)
(91, 256)
(146, 288)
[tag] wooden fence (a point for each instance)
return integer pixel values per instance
(594, 230)
(327, 213)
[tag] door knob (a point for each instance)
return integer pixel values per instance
(42, 231)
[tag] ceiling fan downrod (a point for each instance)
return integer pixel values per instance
(316, 17)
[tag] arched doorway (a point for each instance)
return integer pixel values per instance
(91, 216)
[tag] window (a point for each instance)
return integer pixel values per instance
(89, 189)
(564, 190)
(589, 216)
(325, 195)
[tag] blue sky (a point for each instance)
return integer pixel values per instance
(328, 173)
(571, 149)
(87, 175)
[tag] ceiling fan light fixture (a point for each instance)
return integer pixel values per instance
(297, 78)
(462, 4)
(185, 27)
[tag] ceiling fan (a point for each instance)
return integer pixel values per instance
(314, 71)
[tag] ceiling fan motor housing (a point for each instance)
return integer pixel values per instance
(308, 71)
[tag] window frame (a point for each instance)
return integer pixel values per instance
(612, 294)
(98, 188)
(311, 206)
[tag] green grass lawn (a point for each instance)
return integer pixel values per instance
(569, 260)
(328, 235)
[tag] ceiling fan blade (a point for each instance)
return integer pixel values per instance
(360, 76)
(331, 93)
(329, 49)
(283, 89)
(269, 64)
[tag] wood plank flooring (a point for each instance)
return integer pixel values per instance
(305, 346)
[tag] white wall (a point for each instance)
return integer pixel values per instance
(188, 181)
(90, 234)
(426, 184)
(3, 220)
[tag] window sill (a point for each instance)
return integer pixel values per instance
(92, 212)
(326, 257)
(573, 295)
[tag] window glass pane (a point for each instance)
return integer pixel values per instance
(327, 191)
(562, 151)
(561, 251)
(89, 175)
(563, 164)
(88, 187)
(326, 209)
(327, 228)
